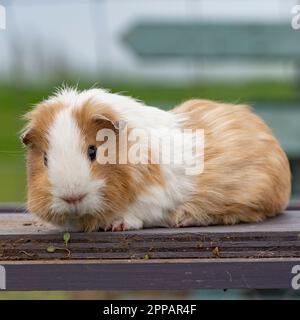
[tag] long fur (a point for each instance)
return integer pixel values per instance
(246, 174)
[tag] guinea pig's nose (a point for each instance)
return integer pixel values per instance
(74, 199)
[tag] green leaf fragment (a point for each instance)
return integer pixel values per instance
(67, 237)
(51, 249)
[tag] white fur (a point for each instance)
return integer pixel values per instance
(129, 109)
(69, 167)
(151, 209)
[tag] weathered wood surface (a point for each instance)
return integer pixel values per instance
(151, 275)
(242, 256)
(23, 237)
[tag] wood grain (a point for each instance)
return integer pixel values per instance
(23, 237)
(151, 275)
(241, 256)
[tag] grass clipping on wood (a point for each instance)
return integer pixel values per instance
(66, 239)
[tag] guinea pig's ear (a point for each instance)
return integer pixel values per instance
(103, 119)
(26, 136)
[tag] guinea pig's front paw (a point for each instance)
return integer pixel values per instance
(124, 225)
(118, 225)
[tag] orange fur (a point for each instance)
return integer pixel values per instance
(34, 135)
(246, 174)
(122, 186)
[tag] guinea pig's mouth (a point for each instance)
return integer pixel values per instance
(77, 201)
(74, 200)
(74, 207)
(74, 210)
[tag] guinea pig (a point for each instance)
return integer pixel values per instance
(245, 175)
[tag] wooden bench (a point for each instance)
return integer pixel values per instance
(242, 256)
(159, 39)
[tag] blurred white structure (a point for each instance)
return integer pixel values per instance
(2, 17)
(83, 37)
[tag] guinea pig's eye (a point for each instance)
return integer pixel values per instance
(45, 158)
(92, 152)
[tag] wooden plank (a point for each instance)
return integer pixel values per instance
(150, 275)
(242, 256)
(294, 205)
(12, 208)
(224, 40)
(23, 237)
(29, 224)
